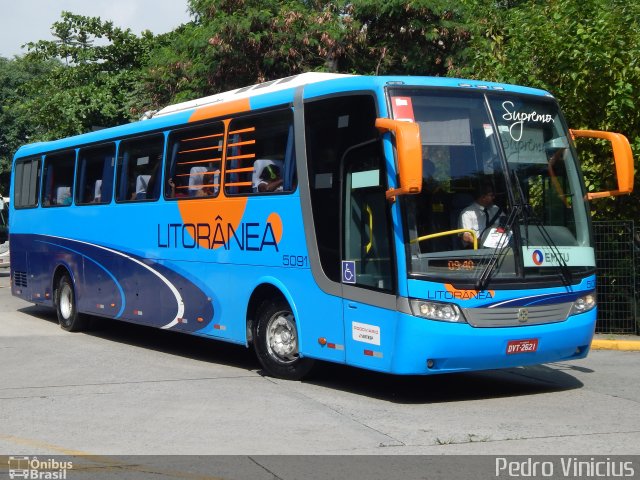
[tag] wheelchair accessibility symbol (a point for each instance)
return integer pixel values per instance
(348, 271)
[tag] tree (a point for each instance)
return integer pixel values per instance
(17, 125)
(586, 52)
(234, 43)
(97, 68)
(419, 37)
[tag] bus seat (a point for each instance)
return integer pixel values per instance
(97, 191)
(63, 195)
(196, 179)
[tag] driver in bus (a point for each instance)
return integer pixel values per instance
(480, 216)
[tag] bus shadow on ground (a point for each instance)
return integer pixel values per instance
(412, 389)
(449, 387)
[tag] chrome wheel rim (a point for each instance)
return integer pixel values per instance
(282, 339)
(66, 301)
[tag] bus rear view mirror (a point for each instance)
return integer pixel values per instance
(622, 156)
(409, 150)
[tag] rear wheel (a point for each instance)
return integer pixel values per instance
(66, 308)
(276, 342)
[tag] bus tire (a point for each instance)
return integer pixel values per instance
(66, 307)
(276, 342)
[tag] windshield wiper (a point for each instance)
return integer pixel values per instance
(500, 248)
(527, 215)
(518, 207)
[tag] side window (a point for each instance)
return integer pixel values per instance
(57, 186)
(367, 234)
(95, 175)
(139, 168)
(26, 180)
(194, 162)
(260, 157)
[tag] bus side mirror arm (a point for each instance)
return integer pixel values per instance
(622, 156)
(409, 150)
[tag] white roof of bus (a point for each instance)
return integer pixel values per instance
(245, 92)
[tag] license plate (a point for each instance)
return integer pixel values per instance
(522, 346)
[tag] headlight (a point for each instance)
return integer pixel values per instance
(444, 312)
(584, 304)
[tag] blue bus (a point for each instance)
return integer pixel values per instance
(320, 217)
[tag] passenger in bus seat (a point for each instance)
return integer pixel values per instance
(267, 176)
(97, 191)
(142, 184)
(63, 196)
(208, 189)
(196, 181)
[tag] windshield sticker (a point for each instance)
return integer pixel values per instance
(545, 256)
(402, 109)
(529, 149)
(518, 118)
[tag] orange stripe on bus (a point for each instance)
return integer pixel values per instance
(238, 157)
(200, 149)
(238, 144)
(199, 187)
(238, 184)
(202, 138)
(244, 130)
(237, 170)
(220, 110)
(207, 160)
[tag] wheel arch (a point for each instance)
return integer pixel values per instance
(61, 270)
(267, 288)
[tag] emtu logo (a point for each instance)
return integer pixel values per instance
(537, 257)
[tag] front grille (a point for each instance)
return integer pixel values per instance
(517, 316)
(20, 279)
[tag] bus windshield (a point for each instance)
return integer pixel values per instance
(501, 189)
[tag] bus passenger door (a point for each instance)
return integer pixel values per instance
(350, 214)
(367, 263)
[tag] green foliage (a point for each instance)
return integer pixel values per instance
(234, 43)
(419, 37)
(97, 66)
(587, 53)
(17, 125)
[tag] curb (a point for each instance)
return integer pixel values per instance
(625, 345)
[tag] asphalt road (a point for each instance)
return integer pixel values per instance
(123, 389)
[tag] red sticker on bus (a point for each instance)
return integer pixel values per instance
(402, 109)
(522, 346)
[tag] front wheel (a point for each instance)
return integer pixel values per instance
(66, 308)
(276, 342)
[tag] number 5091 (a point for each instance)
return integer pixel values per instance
(295, 261)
